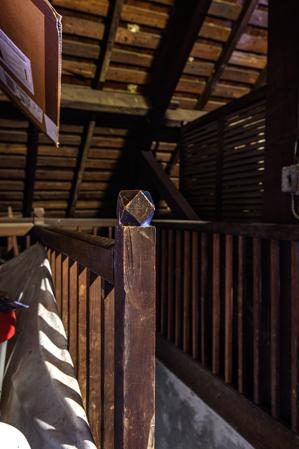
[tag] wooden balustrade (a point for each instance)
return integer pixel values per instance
(105, 292)
(228, 297)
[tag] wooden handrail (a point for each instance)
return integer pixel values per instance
(95, 253)
(259, 230)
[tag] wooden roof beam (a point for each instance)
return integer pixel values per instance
(112, 23)
(31, 162)
(87, 99)
(82, 158)
(235, 35)
(181, 34)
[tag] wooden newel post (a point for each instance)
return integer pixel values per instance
(135, 297)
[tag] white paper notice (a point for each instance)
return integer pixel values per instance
(16, 61)
(21, 95)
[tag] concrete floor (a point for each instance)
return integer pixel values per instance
(184, 421)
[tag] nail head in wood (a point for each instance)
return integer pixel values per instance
(135, 208)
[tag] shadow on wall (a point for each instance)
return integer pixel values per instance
(184, 421)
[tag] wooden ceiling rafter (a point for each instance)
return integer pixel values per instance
(81, 164)
(227, 51)
(182, 31)
(107, 44)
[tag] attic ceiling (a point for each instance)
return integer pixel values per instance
(110, 54)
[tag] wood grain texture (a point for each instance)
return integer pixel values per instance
(228, 349)
(216, 305)
(95, 358)
(135, 337)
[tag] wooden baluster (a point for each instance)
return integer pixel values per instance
(170, 285)
(108, 368)
(228, 350)
(195, 295)
(241, 295)
(158, 280)
(257, 315)
(73, 312)
(82, 332)
(58, 282)
(95, 330)
(216, 305)
(203, 298)
(65, 293)
(186, 293)
(164, 263)
(178, 286)
(295, 336)
(274, 326)
(110, 232)
(135, 322)
(53, 267)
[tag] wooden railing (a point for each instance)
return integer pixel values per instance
(105, 293)
(228, 297)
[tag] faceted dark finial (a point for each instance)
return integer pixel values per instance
(135, 208)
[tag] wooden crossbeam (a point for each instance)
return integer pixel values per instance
(159, 179)
(173, 160)
(87, 99)
(113, 19)
(181, 34)
(32, 153)
(237, 31)
(82, 158)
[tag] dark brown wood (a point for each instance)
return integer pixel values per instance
(216, 309)
(53, 266)
(255, 425)
(295, 336)
(82, 332)
(31, 161)
(257, 316)
(108, 369)
(58, 282)
(166, 188)
(95, 357)
(275, 331)
(181, 34)
(134, 324)
(163, 290)
(178, 286)
(256, 230)
(113, 20)
(203, 298)
(173, 160)
(95, 253)
(65, 293)
(228, 345)
(186, 293)
(241, 293)
(170, 285)
(81, 164)
(237, 31)
(195, 294)
(282, 119)
(73, 313)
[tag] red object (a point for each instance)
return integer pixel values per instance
(7, 325)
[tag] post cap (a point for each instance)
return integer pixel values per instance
(135, 208)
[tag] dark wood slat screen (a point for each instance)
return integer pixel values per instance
(236, 307)
(222, 160)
